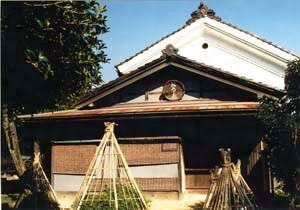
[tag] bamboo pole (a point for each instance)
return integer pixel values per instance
(129, 173)
(114, 178)
(228, 189)
(109, 152)
(88, 178)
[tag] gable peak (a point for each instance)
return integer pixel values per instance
(201, 12)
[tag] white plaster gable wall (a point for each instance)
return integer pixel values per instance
(238, 61)
(228, 48)
(178, 40)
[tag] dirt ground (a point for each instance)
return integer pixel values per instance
(188, 201)
(159, 201)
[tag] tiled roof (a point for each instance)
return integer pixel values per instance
(143, 50)
(201, 13)
(186, 62)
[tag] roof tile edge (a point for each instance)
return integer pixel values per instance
(201, 12)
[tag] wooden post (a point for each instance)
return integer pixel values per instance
(182, 171)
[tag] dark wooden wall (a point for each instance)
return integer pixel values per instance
(197, 87)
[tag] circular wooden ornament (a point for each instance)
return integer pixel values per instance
(173, 90)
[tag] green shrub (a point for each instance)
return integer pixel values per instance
(127, 200)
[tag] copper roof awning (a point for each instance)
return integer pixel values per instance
(148, 108)
(126, 139)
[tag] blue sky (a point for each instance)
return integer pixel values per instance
(135, 24)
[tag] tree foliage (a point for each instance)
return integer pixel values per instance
(51, 53)
(281, 118)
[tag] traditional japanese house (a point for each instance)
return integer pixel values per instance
(176, 102)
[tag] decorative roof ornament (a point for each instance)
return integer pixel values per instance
(201, 12)
(170, 50)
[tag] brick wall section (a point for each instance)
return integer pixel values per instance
(72, 159)
(143, 154)
(75, 159)
(197, 181)
(145, 184)
(158, 184)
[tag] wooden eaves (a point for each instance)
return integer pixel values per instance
(151, 110)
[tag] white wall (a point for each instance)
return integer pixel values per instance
(71, 182)
(229, 49)
(67, 182)
(155, 171)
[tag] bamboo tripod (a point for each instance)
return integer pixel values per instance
(41, 186)
(108, 183)
(228, 189)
